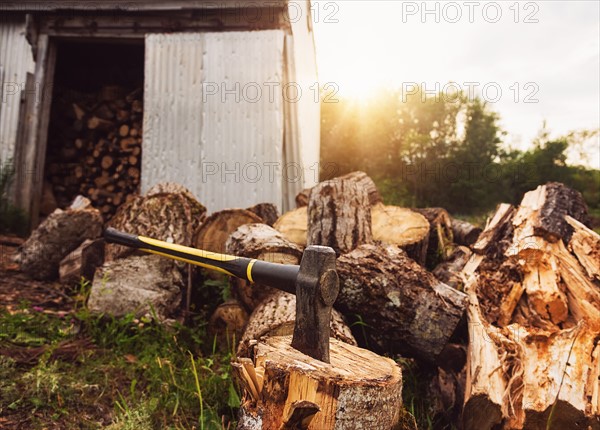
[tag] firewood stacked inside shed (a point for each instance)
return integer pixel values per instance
(95, 147)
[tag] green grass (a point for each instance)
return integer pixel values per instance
(85, 371)
(77, 370)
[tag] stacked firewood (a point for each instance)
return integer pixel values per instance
(95, 147)
(506, 320)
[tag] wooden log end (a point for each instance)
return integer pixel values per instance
(359, 389)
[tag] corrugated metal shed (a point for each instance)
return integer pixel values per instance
(15, 62)
(37, 6)
(213, 118)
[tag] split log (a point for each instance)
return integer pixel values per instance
(441, 239)
(216, 229)
(267, 211)
(58, 235)
(402, 227)
(585, 244)
(82, 262)
(339, 215)
(285, 389)
(293, 225)
(526, 378)
(534, 319)
(137, 284)
(404, 307)
(464, 233)
(542, 213)
(263, 243)
(167, 212)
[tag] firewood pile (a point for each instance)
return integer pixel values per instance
(94, 147)
(507, 318)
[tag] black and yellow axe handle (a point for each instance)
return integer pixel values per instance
(280, 276)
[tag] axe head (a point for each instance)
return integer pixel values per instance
(317, 288)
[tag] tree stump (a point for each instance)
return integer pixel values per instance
(275, 316)
(263, 243)
(402, 227)
(339, 215)
(404, 307)
(285, 389)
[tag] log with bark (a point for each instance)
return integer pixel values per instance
(389, 224)
(361, 179)
(403, 307)
(449, 271)
(58, 235)
(339, 215)
(215, 230)
(441, 239)
(167, 212)
(534, 318)
(144, 285)
(227, 323)
(402, 227)
(275, 316)
(464, 233)
(267, 211)
(264, 243)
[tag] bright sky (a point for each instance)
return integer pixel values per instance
(549, 57)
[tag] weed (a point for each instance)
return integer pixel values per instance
(12, 219)
(89, 371)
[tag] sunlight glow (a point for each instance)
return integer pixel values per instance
(364, 47)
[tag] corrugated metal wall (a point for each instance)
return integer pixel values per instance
(213, 116)
(15, 62)
(302, 71)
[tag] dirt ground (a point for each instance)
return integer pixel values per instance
(17, 288)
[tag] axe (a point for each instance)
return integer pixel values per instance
(314, 282)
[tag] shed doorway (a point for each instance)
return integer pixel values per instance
(95, 129)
